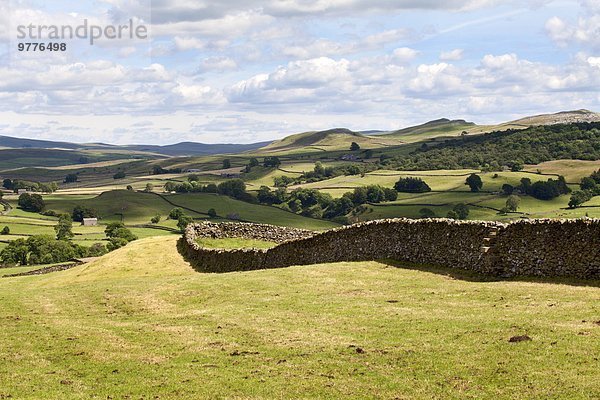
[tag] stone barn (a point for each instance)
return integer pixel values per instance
(90, 222)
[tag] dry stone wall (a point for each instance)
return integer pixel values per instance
(561, 248)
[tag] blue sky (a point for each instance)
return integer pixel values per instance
(245, 71)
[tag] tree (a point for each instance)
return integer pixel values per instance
(461, 210)
(119, 175)
(71, 178)
(512, 203)
(235, 188)
(5, 231)
(130, 188)
(31, 202)
(253, 163)
(452, 214)
(427, 213)
(390, 194)
(339, 207)
(184, 221)
(80, 212)
(116, 243)
(97, 250)
(149, 187)
(226, 163)
(175, 213)
(212, 213)
(155, 219)
(8, 184)
(111, 228)
(579, 197)
(588, 183)
(412, 185)
(354, 146)
(64, 228)
(508, 189)
(368, 153)
(474, 182)
(271, 162)
(319, 169)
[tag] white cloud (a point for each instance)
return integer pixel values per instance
(584, 32)
(452, 55)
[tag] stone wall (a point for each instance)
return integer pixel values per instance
(568, 248)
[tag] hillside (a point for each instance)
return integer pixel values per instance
(178, 149)
(532, 145)
(564, 117)
(438, 127)
(140, 323)
(328, 140)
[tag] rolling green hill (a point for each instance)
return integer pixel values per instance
(329, 140)
(138, 208)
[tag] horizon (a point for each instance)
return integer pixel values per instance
(233, 72)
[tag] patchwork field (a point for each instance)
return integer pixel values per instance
(139, 323)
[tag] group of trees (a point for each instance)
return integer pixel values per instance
(315, 204)
(412, 185)
(544, 190)
(182, 219)
(235, 188)
(320, 173)
(118, 236)
(44, 249)
(459, 211)
(512, 148)
(80, 212)
(590, 187)
(42, 187)
(32, 202)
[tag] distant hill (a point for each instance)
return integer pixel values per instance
(178, 149)
(331, 139)
(436, 127)
(563, 117)
(193, 148)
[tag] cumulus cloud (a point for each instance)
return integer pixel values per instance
(585, 31)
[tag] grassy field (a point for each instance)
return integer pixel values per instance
(140, 323)
(235, 243)
(572, 170)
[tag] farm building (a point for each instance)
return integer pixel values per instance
(90, 222)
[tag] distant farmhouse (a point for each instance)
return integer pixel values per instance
(90, 222)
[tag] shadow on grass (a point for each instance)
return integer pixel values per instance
(471, 276)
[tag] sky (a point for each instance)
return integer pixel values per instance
(243, 71)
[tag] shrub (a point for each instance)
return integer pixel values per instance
(184, 221)
(212, 213)
(155, 219)
(5, 231)
(175, 213)
(354, 146)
